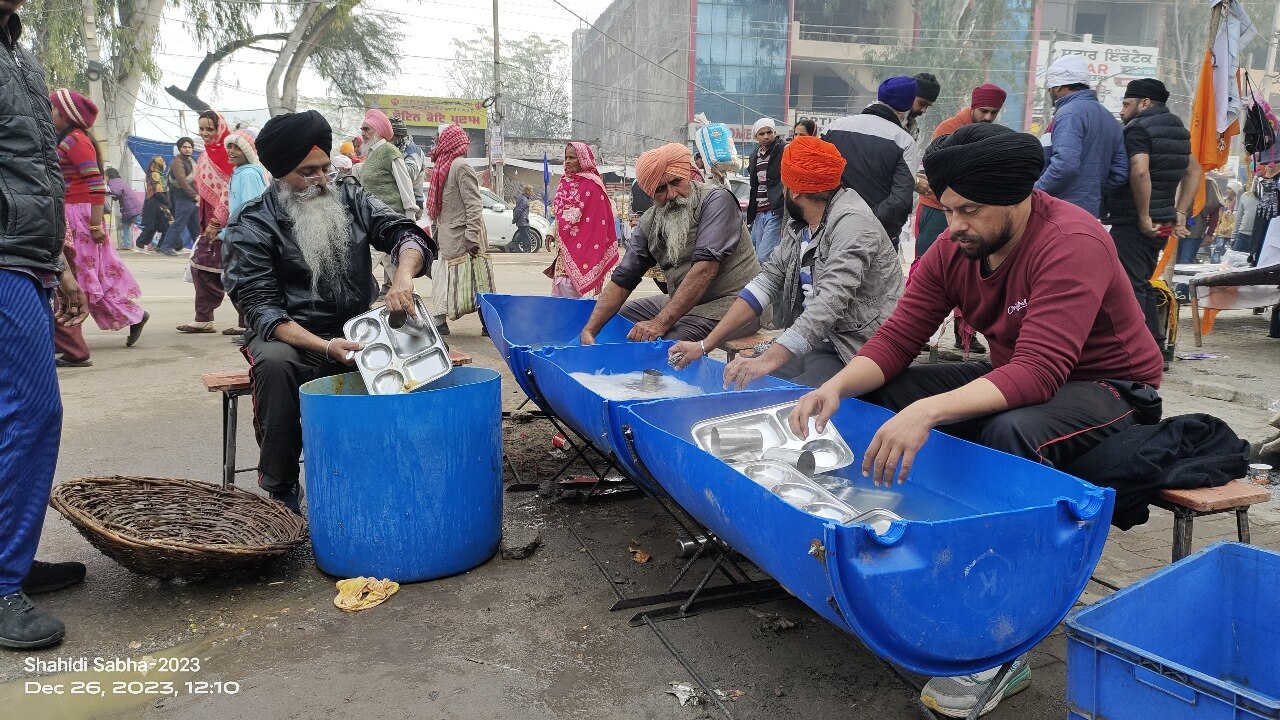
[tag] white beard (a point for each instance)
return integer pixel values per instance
(321, 227)
(672, 221)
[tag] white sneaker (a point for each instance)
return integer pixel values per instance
(956, 696)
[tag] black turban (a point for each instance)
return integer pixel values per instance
(927, 86)
(1148, 89)
(986, 163)
(286, 140)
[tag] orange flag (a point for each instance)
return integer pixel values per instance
(1209, 148)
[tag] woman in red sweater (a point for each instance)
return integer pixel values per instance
(107, 283)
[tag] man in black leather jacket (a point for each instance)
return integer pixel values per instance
(296, 263)
(32, 227)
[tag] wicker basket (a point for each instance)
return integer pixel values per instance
(178, 528)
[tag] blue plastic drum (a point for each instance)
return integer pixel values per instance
(406, 487)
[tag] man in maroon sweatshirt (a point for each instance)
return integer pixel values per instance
(1071, 359)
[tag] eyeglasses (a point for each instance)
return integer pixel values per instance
(672, 184)
(316, 177)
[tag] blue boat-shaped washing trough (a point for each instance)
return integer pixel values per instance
(992, 553)
(593, 415)
(519, 324)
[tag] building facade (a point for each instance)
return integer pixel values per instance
(738, 60)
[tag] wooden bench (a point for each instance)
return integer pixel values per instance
(233, 385)
(1186, 505)
(745, 346)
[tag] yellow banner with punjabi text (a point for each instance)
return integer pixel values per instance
(418, 111)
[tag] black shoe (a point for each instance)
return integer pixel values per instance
(443, 329)
(975, 346)
(135, 330)
(23, 626)
(291, 500)
(46, 577)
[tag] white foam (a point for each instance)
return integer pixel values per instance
(628, 386)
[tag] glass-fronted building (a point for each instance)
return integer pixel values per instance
(740, 58)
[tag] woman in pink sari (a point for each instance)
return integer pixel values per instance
(212, 178)
(108, 285)
(588, 240)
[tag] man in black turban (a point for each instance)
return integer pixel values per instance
(287, 139)
(1153, 204)
(1071, 362)
(297, 265)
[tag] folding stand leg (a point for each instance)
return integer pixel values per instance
(230, 408)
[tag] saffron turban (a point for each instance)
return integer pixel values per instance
(810, 164)
(988, 96)
(379, 123)
(286, 140)
(75, 108)
(898, 92)
(985, 163)
(672, 160)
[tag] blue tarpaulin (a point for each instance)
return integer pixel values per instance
(144, 149)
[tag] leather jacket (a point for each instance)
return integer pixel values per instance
(32, 220)
(270, 282)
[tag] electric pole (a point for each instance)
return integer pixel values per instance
(496, 149)
(1272, 40)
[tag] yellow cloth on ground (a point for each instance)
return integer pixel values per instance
(363, 593)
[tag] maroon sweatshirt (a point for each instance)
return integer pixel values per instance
(1059, 308)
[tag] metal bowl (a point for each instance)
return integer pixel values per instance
(388, 383)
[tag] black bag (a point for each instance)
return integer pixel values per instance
(1259, 135)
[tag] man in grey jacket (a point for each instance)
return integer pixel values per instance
(833, 280)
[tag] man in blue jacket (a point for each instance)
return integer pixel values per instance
(1084, 144)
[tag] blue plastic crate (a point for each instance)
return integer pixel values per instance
(1199, 639)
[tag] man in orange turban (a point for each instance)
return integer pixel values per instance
(694, 233)
(833, 280)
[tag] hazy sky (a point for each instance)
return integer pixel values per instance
(237, 87)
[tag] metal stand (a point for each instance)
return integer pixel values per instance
(230, 412)
(580, 447)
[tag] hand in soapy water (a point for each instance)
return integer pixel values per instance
(818, 406)
(683, 353)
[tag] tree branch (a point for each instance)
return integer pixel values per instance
(216, 56)
(289, 91)
(274, 104)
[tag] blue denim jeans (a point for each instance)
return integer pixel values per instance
(125, 228)
(766, 233)
(186, 218)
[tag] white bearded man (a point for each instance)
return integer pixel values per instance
(297, 265)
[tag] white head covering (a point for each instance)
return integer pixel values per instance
(1235, 186)
(340, 161)
(1067, 70)
(761, 124)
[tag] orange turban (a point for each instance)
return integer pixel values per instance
(810, 164)
(655, 166)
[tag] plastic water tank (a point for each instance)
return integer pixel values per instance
(406, 487)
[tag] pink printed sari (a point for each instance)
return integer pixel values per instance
(585, 226)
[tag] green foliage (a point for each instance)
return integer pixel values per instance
(535, 95)
(357, 52)
(957, 48)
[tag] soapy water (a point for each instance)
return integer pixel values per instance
(631, 386)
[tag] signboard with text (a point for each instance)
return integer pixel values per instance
(1111, 67)
(418, 111)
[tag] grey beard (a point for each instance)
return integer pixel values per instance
(673, 226)
(321, 227)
